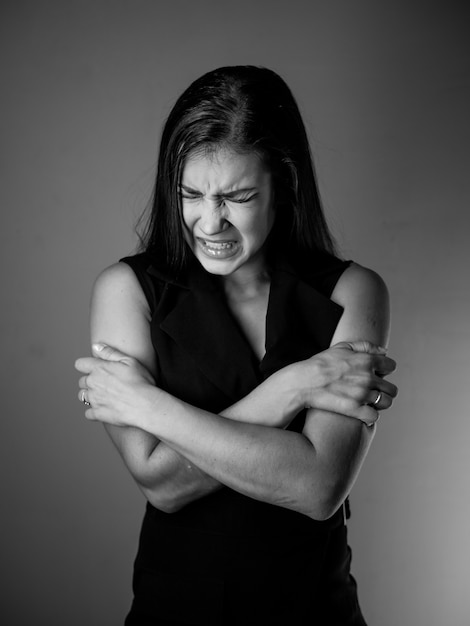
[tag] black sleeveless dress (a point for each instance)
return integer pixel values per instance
(227, 559)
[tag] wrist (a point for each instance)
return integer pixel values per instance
(295, 395)
(307, 374)
(151, 399)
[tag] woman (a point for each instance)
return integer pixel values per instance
(213, 372)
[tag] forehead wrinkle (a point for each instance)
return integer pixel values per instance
(219, 178)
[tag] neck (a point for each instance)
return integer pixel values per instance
(246, 285)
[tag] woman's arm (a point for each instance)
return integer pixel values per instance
(341, 444)
(273, 465)
(120, 316)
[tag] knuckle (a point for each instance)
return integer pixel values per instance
(105, 368)
(366, 346)
(367, 360)
(359, 394)
(369, 414)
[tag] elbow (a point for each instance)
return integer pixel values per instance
(162, 501)
(165, 506)
(321, 503)
(154, 492)
(322, 511)
(331, 499)
(157, 492)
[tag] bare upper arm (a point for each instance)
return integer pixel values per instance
(364, 297)
(365, 300)
(120, 314)
(120, 317)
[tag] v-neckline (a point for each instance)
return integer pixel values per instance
(299, 321)
(241, 331)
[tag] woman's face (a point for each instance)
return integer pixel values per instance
(227, 201)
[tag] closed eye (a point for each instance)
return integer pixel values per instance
(242, 200)
(195, 196)
(188, 196)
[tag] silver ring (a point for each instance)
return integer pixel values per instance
(83, 399)
(378, 399)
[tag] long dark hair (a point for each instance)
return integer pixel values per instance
(244, 109)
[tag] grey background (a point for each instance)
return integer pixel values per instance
(385, 91)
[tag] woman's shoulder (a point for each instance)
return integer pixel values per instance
(363, 294)
(359, 281)
(120, 313)
(116, 282)
(339, 278)
(140, 276)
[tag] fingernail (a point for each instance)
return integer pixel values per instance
(98, 346)
(383, 350)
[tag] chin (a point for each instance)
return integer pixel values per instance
(220, 267)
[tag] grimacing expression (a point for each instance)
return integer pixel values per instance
(227, 207)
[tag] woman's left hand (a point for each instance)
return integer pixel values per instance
(115, 388)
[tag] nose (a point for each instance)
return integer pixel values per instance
(213, 218)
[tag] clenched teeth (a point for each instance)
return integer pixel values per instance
(219, 246)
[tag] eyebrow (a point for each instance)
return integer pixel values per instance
(225, 194)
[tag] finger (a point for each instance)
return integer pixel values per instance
(359, 392)
(82, 383)
(83, 397)
(361, 346)
(379, 400)
(108, 353)
(384, 365)
(387, 387)
(367, 347)
(86, 364)
(345, 345)
(368, 415)
(90, 414)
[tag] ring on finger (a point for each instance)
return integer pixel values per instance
(83, 398)
(378, 398)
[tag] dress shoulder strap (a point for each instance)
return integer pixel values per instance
(140, 264)
(329, 273)
(320, 269)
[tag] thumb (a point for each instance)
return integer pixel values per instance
(107, 353)
(361, 346)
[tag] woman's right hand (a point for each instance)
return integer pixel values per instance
(346, 378)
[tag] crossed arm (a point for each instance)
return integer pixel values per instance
(178, 453)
